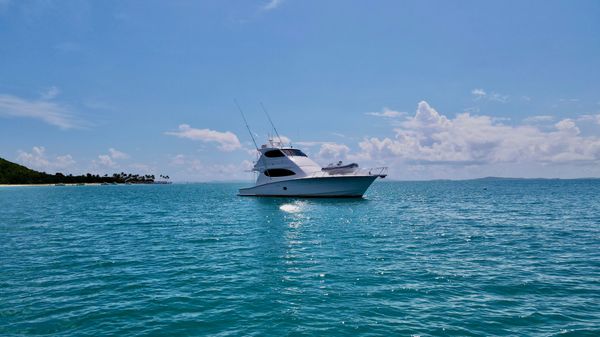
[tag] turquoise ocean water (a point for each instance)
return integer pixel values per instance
(514, 257)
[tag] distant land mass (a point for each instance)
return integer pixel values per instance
(520, 178)
(495, 179)
(15, 174)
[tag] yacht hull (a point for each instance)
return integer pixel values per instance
(323, 187)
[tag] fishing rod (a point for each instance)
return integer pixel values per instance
(251, 135)
(246, 122)
(272, 125)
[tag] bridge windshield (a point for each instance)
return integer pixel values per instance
(274, 154)
(294, 152)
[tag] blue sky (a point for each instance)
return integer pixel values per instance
(433, 89)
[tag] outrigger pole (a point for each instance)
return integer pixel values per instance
(246, 122)
(273, 125)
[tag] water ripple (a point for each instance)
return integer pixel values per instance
(422, 258)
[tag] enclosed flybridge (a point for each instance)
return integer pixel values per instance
(286, 171)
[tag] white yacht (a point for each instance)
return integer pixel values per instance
(286, 171)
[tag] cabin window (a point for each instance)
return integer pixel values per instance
(294, 152)
(274, 154)
(278, 173)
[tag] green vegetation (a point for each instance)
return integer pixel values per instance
(11, 173)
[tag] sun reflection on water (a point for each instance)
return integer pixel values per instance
(295, 207)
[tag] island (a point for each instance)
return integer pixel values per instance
(15, 174)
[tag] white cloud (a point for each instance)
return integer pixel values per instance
(590, 118)
(481, 94)
(333, 151)
(310, 143)
(431, 138)
(227, 141)
(50, 93)
(478, 93)
(109, 160)
(567, 125)
(284, 139)
(116, 154)
(142, 168)
(49, 112)
(387, 112)
(272, 4)
(188, 168)
(496, 97)
(105, 161)
(38, 160)
(426, 117)
(538, 119)
(178, 160)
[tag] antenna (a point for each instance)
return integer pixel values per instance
(273, 125)
(246, 122)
